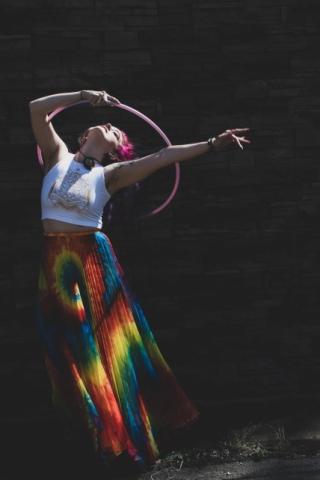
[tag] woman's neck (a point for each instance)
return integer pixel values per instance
(92, 151)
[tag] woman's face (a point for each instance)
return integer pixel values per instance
(106, 133)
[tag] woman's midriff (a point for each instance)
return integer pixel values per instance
(51, 226)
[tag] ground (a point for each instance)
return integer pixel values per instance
(239, 443)
(287, 447)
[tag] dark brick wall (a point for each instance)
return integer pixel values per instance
(229, 274)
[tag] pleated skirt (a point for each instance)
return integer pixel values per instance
(105, 368)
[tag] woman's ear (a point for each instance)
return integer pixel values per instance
(113, 157)
(81, 140)
(83, 137)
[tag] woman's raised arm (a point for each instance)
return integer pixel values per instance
(46, 136)
(126, 173)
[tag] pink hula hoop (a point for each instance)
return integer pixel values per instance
(153, 125)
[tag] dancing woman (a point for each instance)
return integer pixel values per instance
(105, 368)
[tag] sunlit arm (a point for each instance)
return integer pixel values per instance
(49, 103)
(126, 173)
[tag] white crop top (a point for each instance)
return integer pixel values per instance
(71, 193)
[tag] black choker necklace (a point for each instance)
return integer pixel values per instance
(88, 162)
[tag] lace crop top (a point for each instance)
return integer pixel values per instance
(71, 193)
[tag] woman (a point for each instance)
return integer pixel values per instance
(106, 370)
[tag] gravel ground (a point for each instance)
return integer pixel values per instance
(271, 469)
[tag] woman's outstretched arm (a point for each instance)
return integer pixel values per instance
(126, 173)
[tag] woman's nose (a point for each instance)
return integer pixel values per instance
(108, 125)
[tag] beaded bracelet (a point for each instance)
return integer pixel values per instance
(210, 143)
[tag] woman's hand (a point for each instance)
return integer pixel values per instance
(99, 98)
(230, 137)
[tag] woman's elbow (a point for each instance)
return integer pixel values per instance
(36, 108)
(32, 105)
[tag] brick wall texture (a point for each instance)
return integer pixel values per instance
(229, 273)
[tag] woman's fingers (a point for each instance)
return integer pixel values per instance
(237, 140)
(244, 139)
(238, 130)
(107, 99)
(113, 99)
(102, 99)
(99, 98)
(233, 136)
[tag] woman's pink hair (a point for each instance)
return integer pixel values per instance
(126, 149)
(122, 153)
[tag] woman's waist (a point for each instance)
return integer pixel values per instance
(57, 228)
(70, 233)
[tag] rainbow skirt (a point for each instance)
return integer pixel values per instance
(105, 367)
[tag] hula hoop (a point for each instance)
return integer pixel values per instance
(152, 124)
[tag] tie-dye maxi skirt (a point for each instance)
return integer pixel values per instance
(103, 362)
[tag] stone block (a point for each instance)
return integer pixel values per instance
(15, 80)
(136, 4)
(15, 44)
(122, 41)
(74, 4)
(128, 58)
(21, 4)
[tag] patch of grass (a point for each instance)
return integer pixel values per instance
(245, 444)
(242, 444)
(239, 445)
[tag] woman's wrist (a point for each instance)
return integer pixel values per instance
(210, 143)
